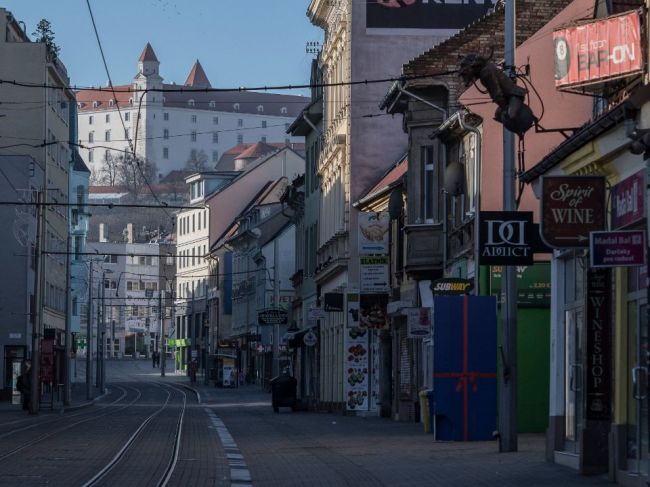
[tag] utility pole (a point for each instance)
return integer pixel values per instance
(67, 386)
(102, 334)
(89, 331)
(99, 320)
(276, 298)
(35, 389)
(508, 389)
(163, 345)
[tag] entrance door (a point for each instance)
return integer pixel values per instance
(637, 444)
(574, 378)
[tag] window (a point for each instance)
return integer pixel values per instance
(260, 108)
(240, 139)
(127, 116)
(193, 118)
(91, 136)
(215, 120)
(190, 103)
(240, 122)
(165, 152)
(166, 116)
(429, 190)
(127, 133)
(287, 141)
(263, 138)
(110, 259)
(95, 104)
(213, 104)
(90, 156)
(235, 107)
(111, 102)
(283, 110)
(108, 117)
(193, 222)
(263, 124)
(107, 154)
(166, 134)
(205, 216)
(107, 136)
(193, 136)
(215, 156)
(215, 138)
(90, 120)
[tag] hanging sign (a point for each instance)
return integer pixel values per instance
(451, 285)
(373, 232)
(272, 316)
(599, 50)
(418, 322)
(627, 201)
(506, 238)
(572, 208)
(373, 274)
(617, 249)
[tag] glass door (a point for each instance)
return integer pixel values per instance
(574, 379)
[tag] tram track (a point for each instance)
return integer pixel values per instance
(89, 417)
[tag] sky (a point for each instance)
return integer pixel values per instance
(239, 42)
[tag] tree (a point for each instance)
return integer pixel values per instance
(133, 174)
(107, 174)
(44, 34)
(197, 162)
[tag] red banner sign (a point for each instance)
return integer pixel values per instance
(572, 208)
(596, 51)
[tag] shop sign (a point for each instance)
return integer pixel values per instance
(272, 316)
(373, 232)
(373, 274)
(333, 302)
(418, 322)
(627, 201)
(572, 208)
(506, 238)
(599, 50)
(355, 369)
(533, 284)
(598, 345)
(448, 286)
(617, 249)
(316, 314)
(310, 339)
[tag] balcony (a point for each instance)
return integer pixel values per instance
(424, 244)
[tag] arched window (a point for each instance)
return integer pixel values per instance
(283, 110)
(130, 101)
(111, 102)
(236, 107)
(213, 104)
(260, 108)
(95, 104)
(190, 103)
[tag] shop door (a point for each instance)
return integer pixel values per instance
(637, 451)
(574, 379)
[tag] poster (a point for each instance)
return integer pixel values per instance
(355, 370)
(353, 310)
(373, 233)
(374, 274)
(372, 311)
(418, 322)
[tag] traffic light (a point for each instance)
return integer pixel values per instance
(512, 110)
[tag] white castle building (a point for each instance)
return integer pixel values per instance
(175, 123)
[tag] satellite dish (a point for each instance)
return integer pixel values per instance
(395, 204)
(455, 179)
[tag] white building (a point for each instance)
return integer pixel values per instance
(172, 124)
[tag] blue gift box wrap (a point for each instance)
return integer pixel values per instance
(464, 367)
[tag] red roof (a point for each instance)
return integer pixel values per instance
(390, 177)
(148, 54)
(87, 98)
(256, 150)
(197, 77)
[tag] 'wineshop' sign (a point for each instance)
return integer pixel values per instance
(599, 345)
(572, 207)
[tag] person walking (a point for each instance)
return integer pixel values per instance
(24, 383)
(153, 359)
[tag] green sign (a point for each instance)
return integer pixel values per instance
(533, 284)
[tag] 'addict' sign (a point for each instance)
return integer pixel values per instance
(506, 238)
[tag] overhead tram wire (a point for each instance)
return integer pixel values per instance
(102, 205)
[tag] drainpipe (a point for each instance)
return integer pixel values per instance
(477, 192)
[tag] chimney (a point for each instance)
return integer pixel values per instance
(129, 233)
(103, 232)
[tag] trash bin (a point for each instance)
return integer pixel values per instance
(283, 392)
(431, 410)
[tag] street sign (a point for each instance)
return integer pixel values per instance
(374, 274)
(617, 249)
(571, 208)
(272, 316)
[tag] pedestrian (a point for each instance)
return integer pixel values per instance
(193, 368)
(24, 383)
(157, 359)
(153, 359)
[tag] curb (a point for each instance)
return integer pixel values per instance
(83, 405)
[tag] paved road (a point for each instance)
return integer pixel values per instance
(153, 431)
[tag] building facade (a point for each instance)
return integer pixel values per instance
(177, 125)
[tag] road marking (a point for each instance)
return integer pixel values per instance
(240, 476)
